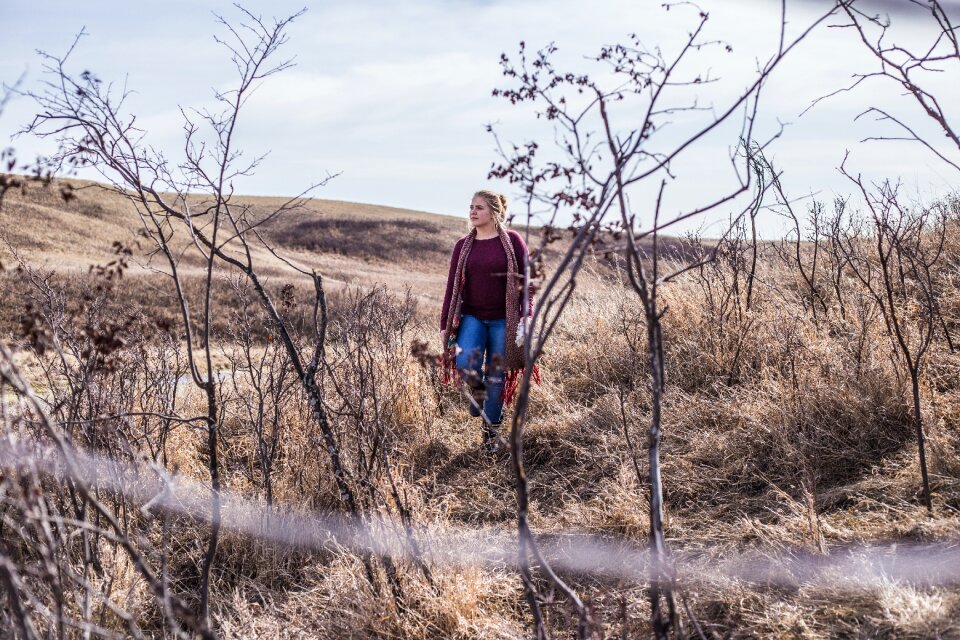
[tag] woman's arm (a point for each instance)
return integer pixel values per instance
(454, 259)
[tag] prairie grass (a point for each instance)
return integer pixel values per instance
(784, 434)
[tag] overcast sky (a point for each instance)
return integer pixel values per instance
(395, 96)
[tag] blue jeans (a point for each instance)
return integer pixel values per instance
(483, 344)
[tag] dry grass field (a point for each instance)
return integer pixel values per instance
(787, 438)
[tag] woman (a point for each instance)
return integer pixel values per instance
(478, 324)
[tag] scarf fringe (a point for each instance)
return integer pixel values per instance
(512, 381)
(451, 375)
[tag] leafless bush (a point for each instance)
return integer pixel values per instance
(194, 198)
(725, 275)
(604, 154)
(79, 557)
(901, 275)
(262, 383)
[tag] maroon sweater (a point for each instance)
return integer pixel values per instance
(485, 289)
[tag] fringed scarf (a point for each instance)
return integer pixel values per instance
(513, 357)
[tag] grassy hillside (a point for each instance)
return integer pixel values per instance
(69, 234)
(350, 244)
(788, 438)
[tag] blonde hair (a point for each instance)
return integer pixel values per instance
(497, 203)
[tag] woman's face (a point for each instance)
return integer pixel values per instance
(480, 212)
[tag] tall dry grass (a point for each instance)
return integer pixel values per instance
(784, 433)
